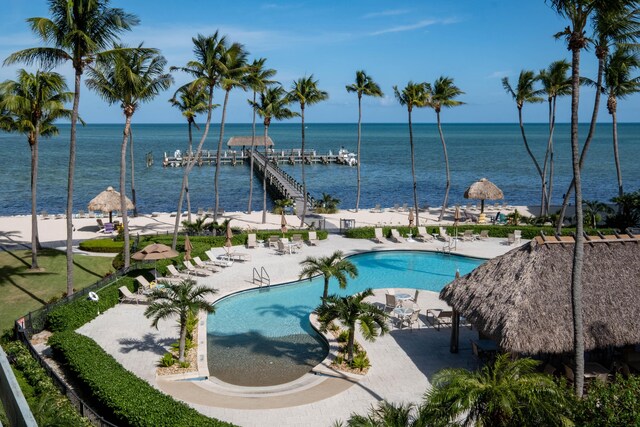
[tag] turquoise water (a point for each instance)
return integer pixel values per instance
(263, 337)
(494, 151)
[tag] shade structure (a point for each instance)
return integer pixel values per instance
(522, 299)
(411, 217)
(283, 223)
(229, 235)
(188, 247)
(483, 190)
(456, 216)
(154, 252)
(108, 201)
(245, 141)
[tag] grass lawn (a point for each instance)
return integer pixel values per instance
(22, 290)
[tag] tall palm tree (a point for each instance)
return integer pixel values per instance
(413, 95)
(233, 68)
(619, 84)
(526, 92)
(205, 71)
(128, 77)
(334, 265)
(258, 78)
(388, 414)
(77, 31)
(503, 393)
(305, 91)
(555, 83)
(272, 106)
(364, 85)
(179, 299)
(349, 310)
(191, 101)
(32, 104)
(442, 95)
(593, 209)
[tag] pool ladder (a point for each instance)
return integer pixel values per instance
(261, 277)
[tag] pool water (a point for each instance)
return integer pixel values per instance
(263, 337)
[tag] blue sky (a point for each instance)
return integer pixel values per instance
(474, 42)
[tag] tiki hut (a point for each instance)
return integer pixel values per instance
(245, 141)
(522, 299)
(483, 190)
(108, 201)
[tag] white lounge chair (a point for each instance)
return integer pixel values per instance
(213, 259)
(297, 240)
(175, 274)
(127, 296)
(443, 234)
(423, 235)
(251, 240)
(195, 271)
(378, 235)
(484, 234)
(468, 236)
(312, 239)
(395, 235)
(145, 286)
(517, 234)
(202, 264)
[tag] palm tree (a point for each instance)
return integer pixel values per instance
(388, 414)
(334, 265)
(349, 310)
(179, 299)
(413, 95)
(526, 92)
(233, 68)
(442, 95)
(504, 393)
(618, 85)
(273, 105)
(191, 101)
(593, 209)
(206, 73)
(555, 83)
(364, 85)
(128, 77)
(33, 103)
(78, 31)
(306, 92)
(258, 78)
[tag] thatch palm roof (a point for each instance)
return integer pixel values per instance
(483, 190)
(523, 299)
(245, 141)
(107, 201)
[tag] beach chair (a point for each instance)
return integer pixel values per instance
(378, 235)
(443, 234)
(423, 235)
(202, 264)
(468, 236)
(438, 318)
(173, 273)
(145, 286)
(395, 236)
(511, 239)
(297, 240)
(405, 208)
(273, 241)
(517, 236)
(390, 302)
(213, 259)
(200, 212)
(193, 270)
(484, 234)
(312, 238)
(108, 228)
(251, 240)
(376, 209)
(127, 296)
(100, 225)
(238, 256)
(412, 319)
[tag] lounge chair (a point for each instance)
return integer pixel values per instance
(100, 225)
(312, 238)
(201, 264)
(511, 239)
(251, 240)
(193, 270)
(273, 241)
(423, 235)
(297, 240)
(395, 236)
(145, 286)
(127, 296)
(238, 256)
(376, 209)
(484, 234)
(108, 228)
(378, 235)
(213, 259)
(517, 235)
(175, 274)
(414, 300)
(443, 234)
(412, 319)
(468, 236)
(438, 318)
(282, 249)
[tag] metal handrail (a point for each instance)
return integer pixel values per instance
(261, 277)
(264, 275)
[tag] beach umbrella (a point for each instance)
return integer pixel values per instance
(229, 236)
(154, 252)
(108, 201)
(456, 216)
(483, 190)
(188, 247)
(411, 218)
(283, 223)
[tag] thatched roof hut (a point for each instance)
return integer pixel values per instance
(108, 201)
(483, 190)
(245, 141)
(522, 299)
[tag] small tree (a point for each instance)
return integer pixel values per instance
(330, 266)
(179, 299)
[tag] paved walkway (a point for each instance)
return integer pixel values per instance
(402, 362)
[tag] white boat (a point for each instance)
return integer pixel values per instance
(347, 158)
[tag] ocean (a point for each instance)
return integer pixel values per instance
(493, 151)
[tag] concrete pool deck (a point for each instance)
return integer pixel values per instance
(403, 361)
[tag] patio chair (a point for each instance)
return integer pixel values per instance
(145, 286)
(109, 228)
(202, 264)
(443, 234)
(297, 240)
(484, 234)
(273, 241)
(423, 235)
(439, 318)
(213, 259)
(175, 274)
(395, 236)
(251, 240)
(193, 270)
(390, 302)
(312, 239)
(378, 235)
(414, 300)
(281, 248)
(412, 319)
(511, 239)
(127, 296)
(517, 235)
(468, 236)
(100, 225)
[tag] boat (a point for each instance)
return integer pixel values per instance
(347, 158)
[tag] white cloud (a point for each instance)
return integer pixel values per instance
(403, 28)
(393, 12)
(498, 74)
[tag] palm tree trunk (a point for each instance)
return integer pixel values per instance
(123, 196)
(304, 182)
(359, 135)
(526, 145)
(187, 169)
(253, 147)
(352, 333)
(616, 154)
(186, 188)
(34, 207)
(578, 255)
(413, 166)
(325, 293)
(551, 158)
(264, 176)
(72, 168)
(215, 183)
(133, 175)
(446, 162)
(183, 338)
(544, 195)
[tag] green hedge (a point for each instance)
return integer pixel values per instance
(101, 245)
(73, 315)
(127, 399)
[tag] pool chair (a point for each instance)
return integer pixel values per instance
(439, 318)
(201, 264)
(213, 259)
(443, 234)
(378, 235)
(390, 302)
(484, 234)
(108, 228)
(175, 274)
(297, 240)
(273, 241)
(517, 235)
(410, 320)
(414, 300)
(145, 286)
(312, 239)
(468, 236)
(396, 237)
(127, 296)
(423, 235)
(251, 240)
(511, 239)
(195, 271)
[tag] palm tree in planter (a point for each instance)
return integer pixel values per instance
(77, 32)
(179, 299)
(128, 77)
(334, 265)
(364, 85)
(349, 310)
(504, 393)
(388, 414)
(32, 104)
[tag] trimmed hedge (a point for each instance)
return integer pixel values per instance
(127, 399)
(101, 245)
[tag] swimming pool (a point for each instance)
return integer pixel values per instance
(263, 337)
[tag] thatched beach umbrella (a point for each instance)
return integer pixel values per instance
(154, 252)
(522, 299)
(411, 218)
(229, 235)
(483, 190)
(188, 247)
(108, 201)
(283, 223)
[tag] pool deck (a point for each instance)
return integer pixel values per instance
(403, 361)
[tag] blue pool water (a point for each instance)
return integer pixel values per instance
(263, 337)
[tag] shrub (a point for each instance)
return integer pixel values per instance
(126, 399)
(612, 404)
(344, 335)
(167, 360)
(360, 361)
(184, 364)
(101, 245)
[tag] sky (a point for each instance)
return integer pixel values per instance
(476, 43)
